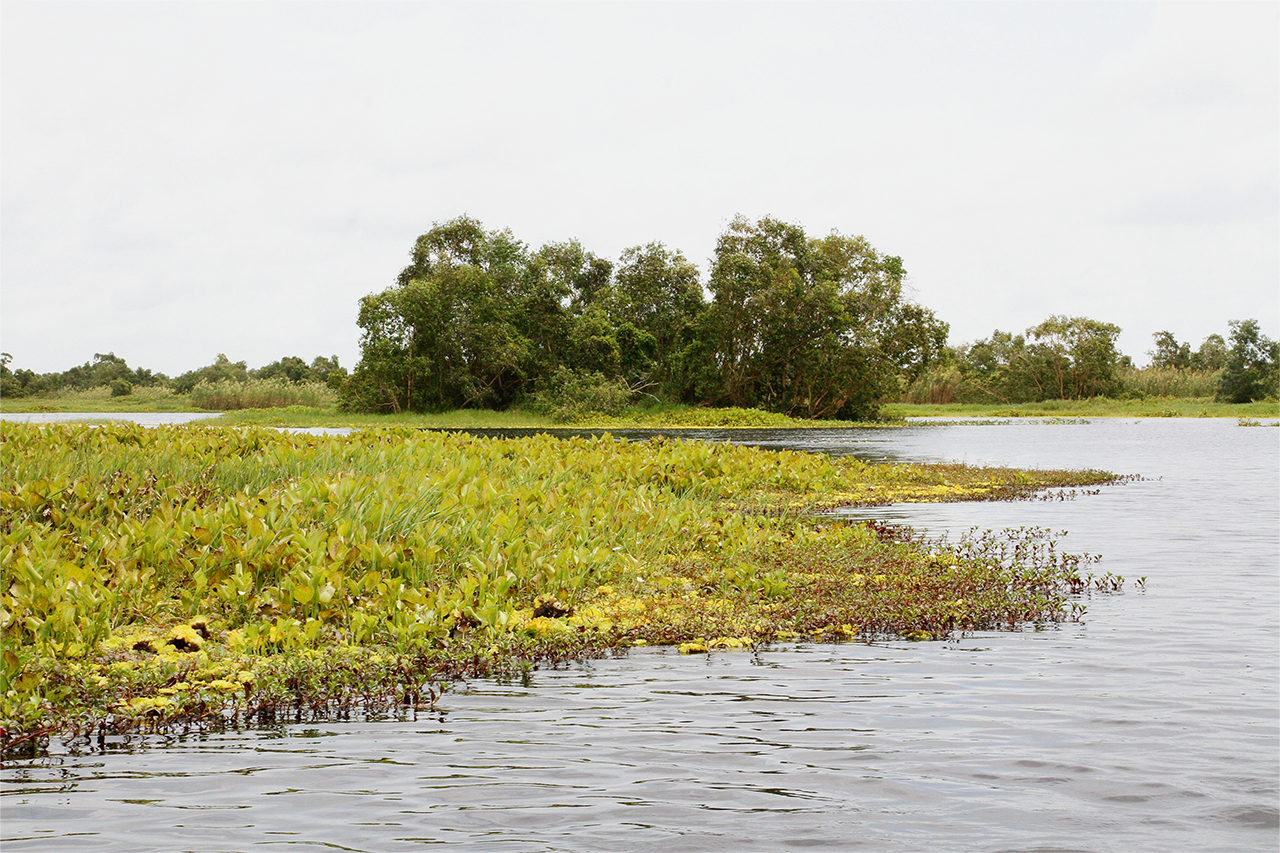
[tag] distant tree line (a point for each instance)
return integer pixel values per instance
(814, 327)
(1075, 358)
(110, 371)
(811, 327)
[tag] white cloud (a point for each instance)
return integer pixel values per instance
(186, 179)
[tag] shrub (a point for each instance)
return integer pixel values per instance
(571, 395)
(937, 385)
(121, 387)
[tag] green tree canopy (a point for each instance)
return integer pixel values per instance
(808, 327)
(1252, 370)
(1069, 358)
(811, 327)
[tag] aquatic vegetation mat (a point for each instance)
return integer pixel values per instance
(189, 576)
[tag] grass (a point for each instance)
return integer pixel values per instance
(262, 394)
(155, 399)
(315, 407)
(636, 418)
(1151, 407)
(190, 576)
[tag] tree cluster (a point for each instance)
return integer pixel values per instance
(813, 327)
(1063, 358)
(1074, 358)
(110, 371)
(105, 370)
(1249, 362)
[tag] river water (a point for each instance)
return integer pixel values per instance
(1151, 726)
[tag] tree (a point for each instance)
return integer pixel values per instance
(1061, 358)
(451, 333)
(223, 369)
(654, 302)
(291, 368)
(1212, 354)
(1169, 353)
(808, 327)
(1252, 371)
(811, 327)
(1076, 357)
(10, 384)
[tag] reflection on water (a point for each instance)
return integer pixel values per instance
(1152, 726)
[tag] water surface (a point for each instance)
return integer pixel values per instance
(1152, 726)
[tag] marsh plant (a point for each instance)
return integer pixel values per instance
(276, 392)
(169, 577)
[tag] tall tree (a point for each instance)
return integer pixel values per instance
(449, 333)
(1252, 371)
(809, 327)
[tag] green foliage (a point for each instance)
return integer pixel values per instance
(9, 384)
(1170, 354)
(261, 394)
(153, 577)
(294, 369)
(1179, 382)
(574, 395)
(940, 384)
(1252, 371)
(223, 369)
(814, 328)
(1063, 358)
(654, 303)
(121, 388)
(103, 371)
(807, 327)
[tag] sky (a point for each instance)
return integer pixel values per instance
(179, 180)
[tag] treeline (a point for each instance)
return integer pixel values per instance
(813, 327)
(108, 370)
(1074, 358)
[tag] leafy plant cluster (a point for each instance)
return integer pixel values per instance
(176, 575)
(811, 327)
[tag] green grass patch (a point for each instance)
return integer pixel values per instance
(636, 418)
(177, 576)
(1151, 407)
(155, 399)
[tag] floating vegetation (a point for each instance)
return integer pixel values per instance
(160, 579)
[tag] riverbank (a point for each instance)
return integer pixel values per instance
(177, 576)
(1101, 407)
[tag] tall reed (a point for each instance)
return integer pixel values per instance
(1169, 382)
(274, 393)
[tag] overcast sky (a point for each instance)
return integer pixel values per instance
(183, 179)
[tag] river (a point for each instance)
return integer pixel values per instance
(1151, 726)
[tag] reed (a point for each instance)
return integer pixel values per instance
(261, 394)
(1174, 382)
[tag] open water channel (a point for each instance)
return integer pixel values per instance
(1151, 726)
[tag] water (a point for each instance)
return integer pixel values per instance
(144, 418)
(1152, 726)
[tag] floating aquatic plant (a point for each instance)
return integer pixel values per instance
(191, 576)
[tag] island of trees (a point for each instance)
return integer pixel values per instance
(810, 327)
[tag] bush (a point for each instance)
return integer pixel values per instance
(572, 395)
(937, 385)
(121, 387)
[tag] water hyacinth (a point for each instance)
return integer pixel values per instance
(190, 576)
